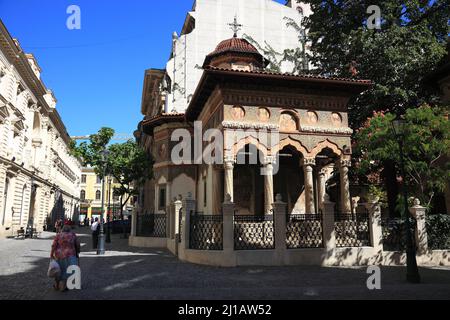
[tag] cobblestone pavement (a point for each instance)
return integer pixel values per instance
(130, 273)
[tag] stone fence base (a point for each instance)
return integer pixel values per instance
(345, 257)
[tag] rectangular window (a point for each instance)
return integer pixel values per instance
(83, 178)
(162, 198)
(99, 180)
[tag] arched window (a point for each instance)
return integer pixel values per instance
(83, 195)
(98, 195)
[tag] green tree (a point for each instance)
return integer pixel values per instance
(127, 162)
(131, 166)
(426, 149)
(91, 152)
(396, 57)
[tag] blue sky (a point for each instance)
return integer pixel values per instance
(97, 72)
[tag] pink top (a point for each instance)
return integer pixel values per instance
(64, 245)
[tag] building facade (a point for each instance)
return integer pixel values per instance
(168, 92)
(252, 168)
(91, 197)
(39, 179)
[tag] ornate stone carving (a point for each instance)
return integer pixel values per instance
(308, 99)
(269, 160)
(162, 151)
(229, 161)
(248, 125)
(346, 131)
(336, 119)
(308, 162)
(263, 114)
(237, 113)
(288, 122)
(312, 117)
(345, 163)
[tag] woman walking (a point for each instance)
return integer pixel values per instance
(65, 250)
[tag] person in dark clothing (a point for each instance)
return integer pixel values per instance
(95, 227)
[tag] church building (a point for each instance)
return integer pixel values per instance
(283, 135)
(308, 114)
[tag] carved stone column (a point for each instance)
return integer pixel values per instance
(308, 167)
(228, 177)
(321, 180)
(268, 184)
(346, 205)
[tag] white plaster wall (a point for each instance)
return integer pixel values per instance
(182, 185)
(263, 20)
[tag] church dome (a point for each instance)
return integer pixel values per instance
(235, 45)
(232, 51)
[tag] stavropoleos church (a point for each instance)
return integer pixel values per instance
(280, 193)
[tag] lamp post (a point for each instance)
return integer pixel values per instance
(101, 237)
(412, 271)
(108, 217)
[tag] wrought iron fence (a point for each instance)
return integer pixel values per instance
(394, 233)
(304, 231)
(206, 232)
(151, 225)
(352, 230)
(254, 232)
(438, 231)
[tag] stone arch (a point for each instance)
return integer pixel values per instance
(290, 142)
(323, 145)
(249, 140)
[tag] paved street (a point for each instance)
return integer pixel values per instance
(130, 273)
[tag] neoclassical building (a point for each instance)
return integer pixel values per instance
(39, 179)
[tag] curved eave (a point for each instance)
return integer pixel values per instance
(150, 124)
(213, 76)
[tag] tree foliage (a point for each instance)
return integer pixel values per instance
(127, 162)
(426, 149)
(410, 43)
(91, 152)
(131, 166)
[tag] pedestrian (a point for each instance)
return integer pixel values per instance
(58, 225)
(95, 227)
(65, 251)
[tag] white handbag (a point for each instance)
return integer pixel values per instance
(53, 269)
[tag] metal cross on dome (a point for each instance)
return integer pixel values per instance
(235, 26)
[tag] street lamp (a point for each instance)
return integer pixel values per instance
(101, 237)
(108, 216)
(412, 272)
